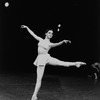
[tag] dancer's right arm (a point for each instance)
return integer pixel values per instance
(31, 32)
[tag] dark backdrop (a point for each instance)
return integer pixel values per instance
(79, 23)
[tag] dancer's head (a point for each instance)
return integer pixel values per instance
(49, 34)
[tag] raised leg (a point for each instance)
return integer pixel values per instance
(40, 72)
(56, 62)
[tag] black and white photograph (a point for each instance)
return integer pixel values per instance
(49, 50)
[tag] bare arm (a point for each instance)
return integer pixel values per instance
(95, 66)
(32, 33)
(59, 43)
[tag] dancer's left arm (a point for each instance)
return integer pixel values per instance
(59, 43)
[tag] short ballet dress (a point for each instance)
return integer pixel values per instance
(42, 59)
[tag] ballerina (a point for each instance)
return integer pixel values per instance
(43, 58)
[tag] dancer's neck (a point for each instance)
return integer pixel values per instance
(47, 39)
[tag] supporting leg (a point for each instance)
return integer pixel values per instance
(40, 72)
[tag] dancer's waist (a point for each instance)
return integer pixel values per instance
(42, 50)
(42, 53)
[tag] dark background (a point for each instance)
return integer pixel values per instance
(79, 23)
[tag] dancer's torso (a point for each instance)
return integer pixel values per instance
(43, 47)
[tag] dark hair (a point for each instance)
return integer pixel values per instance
(47, 30)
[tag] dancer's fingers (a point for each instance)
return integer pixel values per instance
(67, 41)
(23, 26)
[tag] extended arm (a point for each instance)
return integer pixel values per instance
(95, 66)
(59, 43)
(32, 33)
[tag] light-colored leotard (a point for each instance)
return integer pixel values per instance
(43, 46)
(43, 57)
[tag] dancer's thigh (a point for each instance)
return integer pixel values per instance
(40, 71)
(54, 61)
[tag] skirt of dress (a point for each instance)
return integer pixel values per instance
(42, 59)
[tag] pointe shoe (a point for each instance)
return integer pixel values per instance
(78, 64)
(34, 98)
(83, 63)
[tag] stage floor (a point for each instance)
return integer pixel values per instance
(21, 87)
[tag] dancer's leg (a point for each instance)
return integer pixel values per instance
(96, 77)
(56, 62)
(40, 72)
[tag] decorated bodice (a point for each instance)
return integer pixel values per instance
(43, 46)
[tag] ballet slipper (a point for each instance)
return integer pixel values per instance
(34, 98)
(82, 63)
(78, 64)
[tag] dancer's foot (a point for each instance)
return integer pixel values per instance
(78, 64)
(34, 98)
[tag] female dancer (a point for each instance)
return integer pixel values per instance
(44, 58)
(96, 66)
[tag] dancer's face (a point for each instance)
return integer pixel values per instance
(49, 34)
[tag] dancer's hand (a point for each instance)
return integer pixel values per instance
(65, 41)
(23, 26)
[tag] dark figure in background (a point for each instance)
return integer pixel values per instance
(95, 69)
(96, 66)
